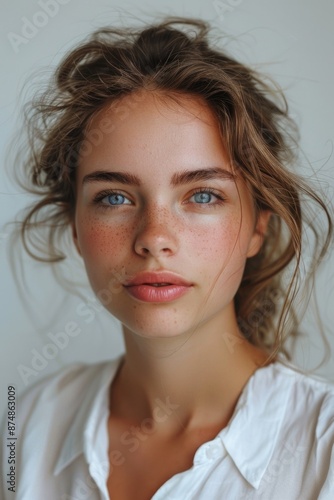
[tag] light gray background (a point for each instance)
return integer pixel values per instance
(292, 40)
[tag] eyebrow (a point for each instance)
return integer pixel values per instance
(204, 174)
(185, 177)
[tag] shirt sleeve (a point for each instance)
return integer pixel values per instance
(325, 448)
(12, 439)
(327, 489)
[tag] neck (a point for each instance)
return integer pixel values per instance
(195, 378)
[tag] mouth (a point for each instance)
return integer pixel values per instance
(158, 279)
(157, 287)
(158, 284)
(157, 292)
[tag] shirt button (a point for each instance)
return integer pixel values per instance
(211, 452)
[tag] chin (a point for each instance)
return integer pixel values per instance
(156, 329)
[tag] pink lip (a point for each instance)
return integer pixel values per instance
(148, 278)
(142, 288)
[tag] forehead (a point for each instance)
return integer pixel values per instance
(155, 105)
(148, 129)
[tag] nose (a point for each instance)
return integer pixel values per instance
(156, 235)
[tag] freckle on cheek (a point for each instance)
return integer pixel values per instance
(99, 237)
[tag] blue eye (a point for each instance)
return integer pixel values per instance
(109, 199)
(203, 197)
(115, 199)
(207, 197)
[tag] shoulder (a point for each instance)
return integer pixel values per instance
(51, 418)
(302, 389)
(309, 428)
(51, 405)
(300, 403)
(65, 390)
(305, 387)
(288, 417)
(308, 402)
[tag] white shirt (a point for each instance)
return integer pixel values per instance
(278, 444)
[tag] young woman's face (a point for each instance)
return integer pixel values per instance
(156, 193)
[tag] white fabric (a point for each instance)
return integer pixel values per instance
(278, 444)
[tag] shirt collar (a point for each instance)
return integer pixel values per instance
(83, 432)
(251, 436)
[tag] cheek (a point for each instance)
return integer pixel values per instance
(222, 252)
(101, 241)
(218, 242)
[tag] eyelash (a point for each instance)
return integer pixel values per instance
(103, 194)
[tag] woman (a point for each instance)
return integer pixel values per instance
(170, 162)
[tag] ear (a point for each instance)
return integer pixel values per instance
(259, 232)
(75, 237)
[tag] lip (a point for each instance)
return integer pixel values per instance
(149, 278)
(142, 287)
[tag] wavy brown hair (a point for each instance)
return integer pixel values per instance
(176, 57)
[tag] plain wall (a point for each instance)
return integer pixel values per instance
(291, 40)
